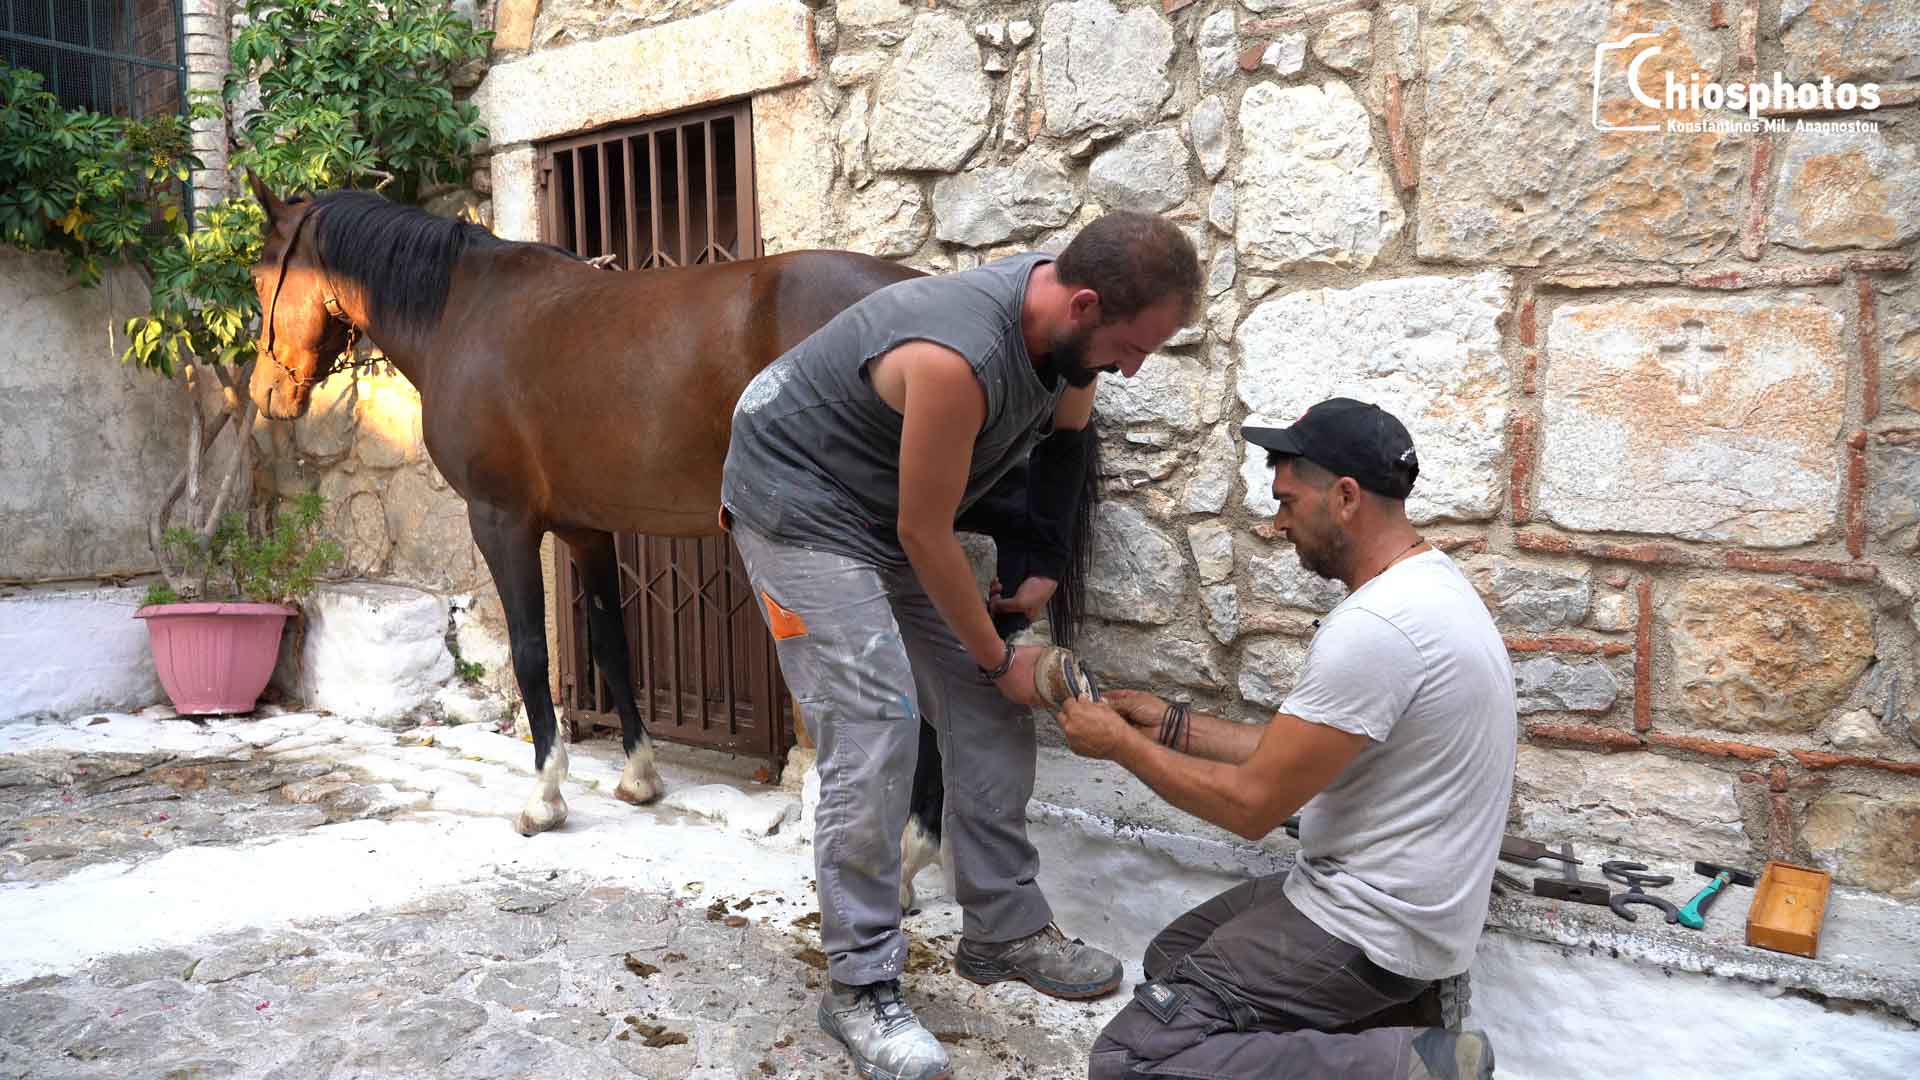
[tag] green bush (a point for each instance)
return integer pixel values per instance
(281, 565)
(92, 187)
(353, 93)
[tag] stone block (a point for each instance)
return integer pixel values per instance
(889, 219)
(1220, 212)
(1138, 574)
(1268, 668)
(1219, 47)
(1553, 684)
(513, 22)
(1222, 603)
(1102, 71)
(933, 103)
(768, 44)
(432, 543)
(1845, 190)
(1346, 44)
(1707, 419)
(44, 676)
(996, 203)
(1850, 40)
(792, 177)
(388, 422)
(1212, 139)
(851, 137)
(1857, 732)
(357, 520)
(1212, 545)
(1426, 349)
(1867, 841)
(1765, 656)
(1125, 656)
(1532, 599)
(1613, 611)
(1212, 478)
(564, 22)
(1221, 270)
(1325, 198)
(516, 196)
(864, 13)
(1145, 172)
(1535, 183)
(373, 652)
(1897, 318)
(1641, 802)
(1164, 392)
(1280, 579)
(1893, 489)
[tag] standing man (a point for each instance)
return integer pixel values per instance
(1400, 729)
(851, 458)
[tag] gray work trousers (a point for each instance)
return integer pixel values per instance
(867, 656)
(1246, 986)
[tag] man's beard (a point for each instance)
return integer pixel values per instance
(1325, 555)
(1068, 360)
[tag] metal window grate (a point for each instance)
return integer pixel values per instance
(121, 57)
(676, 192)
(671, 193)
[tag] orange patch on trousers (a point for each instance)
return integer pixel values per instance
(785, 624)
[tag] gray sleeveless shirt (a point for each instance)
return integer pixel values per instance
(815, 454)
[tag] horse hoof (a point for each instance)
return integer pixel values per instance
(641, 791)
(540, 818)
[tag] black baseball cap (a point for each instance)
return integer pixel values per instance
(1348, 438)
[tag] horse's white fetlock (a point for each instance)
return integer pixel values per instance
(640, 782)
(545, 808)
(917, 852)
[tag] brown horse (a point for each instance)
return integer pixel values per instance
(554, 397)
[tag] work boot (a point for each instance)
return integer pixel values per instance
(879, 1030)
(1047, 961)
(1439, 1054)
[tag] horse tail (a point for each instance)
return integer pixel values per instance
(1067, 611)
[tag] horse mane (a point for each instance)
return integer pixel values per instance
(402, 256)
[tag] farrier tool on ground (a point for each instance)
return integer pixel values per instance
(1632, 875)
(1569, 886)
(1520, 849)
(1694, 915)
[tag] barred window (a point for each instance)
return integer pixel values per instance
(121, 57)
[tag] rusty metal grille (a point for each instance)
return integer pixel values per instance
(670, 193)
(677, 192)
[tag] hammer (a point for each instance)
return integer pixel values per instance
(1694, 915)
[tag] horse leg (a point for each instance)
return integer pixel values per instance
(594, 554)
(510, 542)
(920, 840)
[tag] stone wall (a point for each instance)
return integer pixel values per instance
(85, 441)
(1666, 385)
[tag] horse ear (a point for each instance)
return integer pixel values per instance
(268, 202)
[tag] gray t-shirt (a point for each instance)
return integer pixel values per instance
(1397, 854)
(815, 455)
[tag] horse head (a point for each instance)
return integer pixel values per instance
(302, 329)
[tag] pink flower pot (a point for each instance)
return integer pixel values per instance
(214, 658)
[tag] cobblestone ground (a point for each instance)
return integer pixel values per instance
(510, 973)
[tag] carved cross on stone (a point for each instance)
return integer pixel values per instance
(1692, 359)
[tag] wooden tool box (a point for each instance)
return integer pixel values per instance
(1789, 904)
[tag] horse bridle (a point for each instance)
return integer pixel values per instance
(331, 302)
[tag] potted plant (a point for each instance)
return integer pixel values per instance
(215, 626)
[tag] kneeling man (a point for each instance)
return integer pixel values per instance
(1399, 728)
